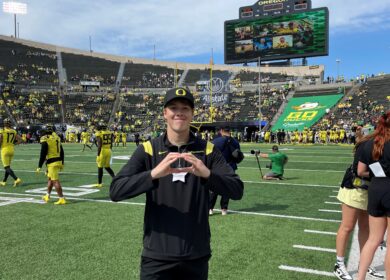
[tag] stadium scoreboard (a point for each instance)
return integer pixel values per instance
(265, 8)
(275, 30)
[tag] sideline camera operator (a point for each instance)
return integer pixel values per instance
(278, 160)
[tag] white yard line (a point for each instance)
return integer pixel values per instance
(306, 270)
(312, 248)
(320, 232)
(250, 182)
(334, 203)
(329, 210)
(230, 211)
(289, 184)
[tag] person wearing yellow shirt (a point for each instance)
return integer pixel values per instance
(8, 138)
(104, 138)
(85, 136)
(117, 138)
(53, 153)
(323, 135)
(342, 135)
(304, 136)
(282, 44)
(267, 137)
(124, 138)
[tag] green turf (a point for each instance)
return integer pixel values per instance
(91, 238)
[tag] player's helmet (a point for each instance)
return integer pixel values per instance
(102, 126)
(7, 123)
(47, 129)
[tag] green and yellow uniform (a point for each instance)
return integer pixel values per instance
(124, 138)
(7, 145)
(85, 136)
(117, 137)
(53, 153)
(104, 157)
(267, 136)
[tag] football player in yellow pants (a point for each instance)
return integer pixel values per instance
(104, 139)
(53, 153)
(8, 138)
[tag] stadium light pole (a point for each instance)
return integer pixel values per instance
(338, 69)
(15, 8)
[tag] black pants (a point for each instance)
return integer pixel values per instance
(213, 200)
(152, 269)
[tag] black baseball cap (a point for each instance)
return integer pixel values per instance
(178, 93)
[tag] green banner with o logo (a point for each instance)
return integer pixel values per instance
(302, 112)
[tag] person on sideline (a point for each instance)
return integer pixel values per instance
(226, 144)
(354, 201)
(375, 164)
(278, 160)
(176, 171)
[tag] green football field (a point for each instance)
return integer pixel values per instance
(279, 230)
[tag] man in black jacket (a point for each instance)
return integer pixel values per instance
(226, 144)
(176, 171)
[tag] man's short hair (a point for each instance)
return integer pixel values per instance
(226, 128)
(275, 148)
(179, 93)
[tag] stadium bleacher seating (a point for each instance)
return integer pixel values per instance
(27, 66)
(32, 107)
(83, 109)
(149, 76)
(84, 68)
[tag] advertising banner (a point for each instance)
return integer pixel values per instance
(303, 112)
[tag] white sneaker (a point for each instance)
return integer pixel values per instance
(224, 212)
(374, 274)
(211, 212)
(341, 271)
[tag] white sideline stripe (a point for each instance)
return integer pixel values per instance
(306, 270)
(76, 198)
(329, 210)
(290, 184)
(285, 216)
(250, 182)
(123, 163)
(303, 170)
(232, 211)
(13, 200)
(312, 248)
(335, 203)
(320, 232)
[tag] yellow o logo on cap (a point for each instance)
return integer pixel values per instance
(181, 92)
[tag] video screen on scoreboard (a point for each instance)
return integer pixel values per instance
(296, 35)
